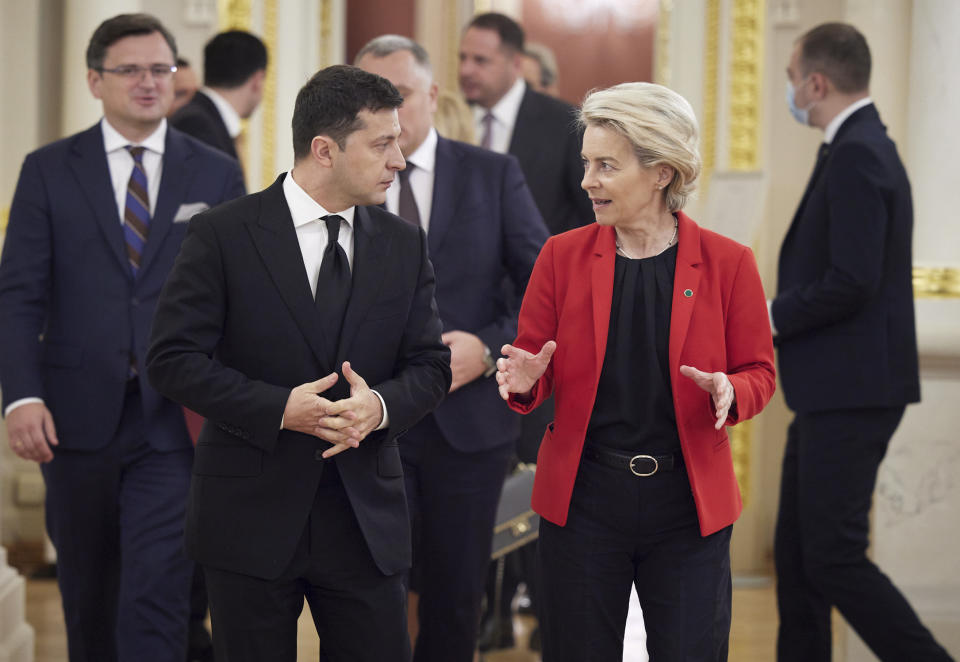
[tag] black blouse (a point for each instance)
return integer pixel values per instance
(634, 406)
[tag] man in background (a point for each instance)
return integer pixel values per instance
(512, 118)
(185, 85)
(234, 69)
(95, 224)
(540, 69)
(844, 324)
(483, 230)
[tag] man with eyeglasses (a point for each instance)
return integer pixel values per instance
(95, 224)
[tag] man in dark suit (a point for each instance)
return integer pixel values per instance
(96, 222)
(234, 69)
(281, 307)
(539, 130)
(844, 321)
(483, 228)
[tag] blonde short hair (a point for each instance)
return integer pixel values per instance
(658, 123)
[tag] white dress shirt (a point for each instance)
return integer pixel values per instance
(312, 236)
(229, 115)
(120, 164)
(504, 117)
(424, 158)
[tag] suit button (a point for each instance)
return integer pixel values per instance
(318, 455)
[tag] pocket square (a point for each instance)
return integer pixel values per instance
(187, 211)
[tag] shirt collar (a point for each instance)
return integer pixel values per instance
(830, 132)
(425, 156)
(231, 119)
(505, 111)
(113, 140)
(303, 208)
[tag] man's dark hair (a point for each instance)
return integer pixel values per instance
(114, 29)
(510, 32)
(838, 51)
(328, 105)
(182, 62)
(230, 58)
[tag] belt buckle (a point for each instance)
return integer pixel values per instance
(633, 470)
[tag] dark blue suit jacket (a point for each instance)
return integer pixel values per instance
(484, 236)
(71, 312)
(844, 305)
(547, 144)
(201, 119)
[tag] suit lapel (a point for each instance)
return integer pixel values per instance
(178, 171)
(446, 189)
(371, 248)
(207, 105)
(276, 240)
(88, 161)
(686, 281)
(601, 283)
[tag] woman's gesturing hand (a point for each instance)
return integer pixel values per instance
(519, 370)
(719, 388)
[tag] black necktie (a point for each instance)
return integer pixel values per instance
(333, 284)
(407, 208)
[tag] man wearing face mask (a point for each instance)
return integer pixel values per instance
(844, 324)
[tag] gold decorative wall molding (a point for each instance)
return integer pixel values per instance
(4, 219)
(234, 14)
(326, 33)
(662, 73)
(936, 283)
(268, 112)
(746, 83)
(711, 72)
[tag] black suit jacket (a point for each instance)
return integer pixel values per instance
(547, 144)
(201, 119)
(236, 328)
(71, 311)
(485, 234)
(844, 306)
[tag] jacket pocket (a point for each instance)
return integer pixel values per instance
(388, 460)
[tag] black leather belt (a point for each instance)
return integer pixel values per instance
(639, 465)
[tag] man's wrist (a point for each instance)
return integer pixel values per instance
(489, 363)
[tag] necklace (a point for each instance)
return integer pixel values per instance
(669, 243)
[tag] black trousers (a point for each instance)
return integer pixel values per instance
(116, 518)
(625, 530)
(829, 472)
(453, 500)
(359, 613)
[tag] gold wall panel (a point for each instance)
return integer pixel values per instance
(711, 72)
(268, 107)
(662, 73)
(746, 84)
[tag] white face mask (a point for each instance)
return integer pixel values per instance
(802, 115)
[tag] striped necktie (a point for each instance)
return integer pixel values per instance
(136, 214)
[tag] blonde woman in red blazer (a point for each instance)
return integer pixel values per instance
(653, 335)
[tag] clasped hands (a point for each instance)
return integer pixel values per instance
(343, 423)
(519, 370)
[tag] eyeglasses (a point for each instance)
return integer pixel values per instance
(135, 71)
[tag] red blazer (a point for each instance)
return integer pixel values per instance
(718, 322)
